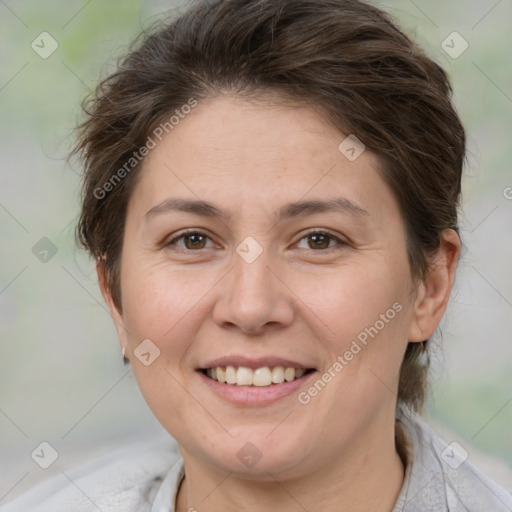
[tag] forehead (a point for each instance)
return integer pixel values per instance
(243, 153)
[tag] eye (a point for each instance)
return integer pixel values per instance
(196, 240)
(192, 240)
(321, 240)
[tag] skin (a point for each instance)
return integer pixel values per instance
(294, 301)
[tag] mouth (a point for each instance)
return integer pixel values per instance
(261, 377)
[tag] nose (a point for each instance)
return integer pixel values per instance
(253, 297)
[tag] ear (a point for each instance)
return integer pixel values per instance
(434, 292)
(116, 314)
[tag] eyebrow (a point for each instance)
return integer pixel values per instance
(288, 211)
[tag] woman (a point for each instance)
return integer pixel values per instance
(270, 194)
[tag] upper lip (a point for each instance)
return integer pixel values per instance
(260, 362)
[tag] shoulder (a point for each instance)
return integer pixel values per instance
(443, 475)
(126, 479)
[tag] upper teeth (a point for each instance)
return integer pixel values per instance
(264, 376)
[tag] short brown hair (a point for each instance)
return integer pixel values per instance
(345, 56)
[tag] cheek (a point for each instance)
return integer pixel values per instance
(367, 312)
(366, 308)
(353, 297)
(163, 303)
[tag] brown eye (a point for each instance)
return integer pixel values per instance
(191, 241)
(320, 241)
(194, 241)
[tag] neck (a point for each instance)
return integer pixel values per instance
(367, 477)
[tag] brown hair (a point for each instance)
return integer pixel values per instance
(344, 56)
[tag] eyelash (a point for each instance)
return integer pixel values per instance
(340, 243)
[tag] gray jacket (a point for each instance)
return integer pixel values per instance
(438, 478)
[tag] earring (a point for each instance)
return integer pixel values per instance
(125, 359)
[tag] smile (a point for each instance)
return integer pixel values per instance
(260, 377)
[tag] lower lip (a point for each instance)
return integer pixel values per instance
(255, 395)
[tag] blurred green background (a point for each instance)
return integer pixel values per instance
(61, 376)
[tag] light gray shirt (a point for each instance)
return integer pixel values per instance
(438, 478)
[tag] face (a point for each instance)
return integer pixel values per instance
(253, 242)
